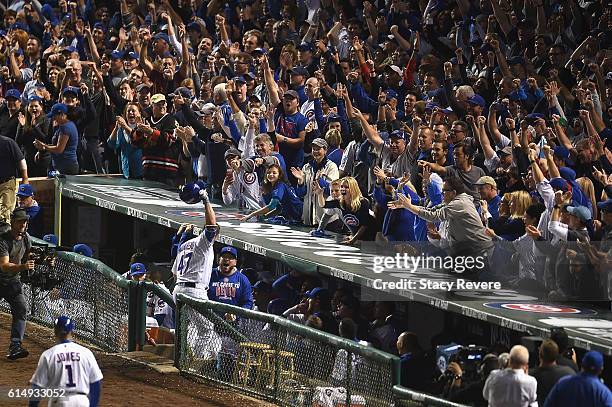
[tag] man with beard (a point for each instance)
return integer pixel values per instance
(227, 283)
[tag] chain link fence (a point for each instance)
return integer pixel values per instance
(280, 360)
(91, 293)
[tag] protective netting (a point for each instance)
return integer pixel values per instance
(280, 360)
(94, 301)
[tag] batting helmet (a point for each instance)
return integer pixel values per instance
(190, 193)
(64, 324)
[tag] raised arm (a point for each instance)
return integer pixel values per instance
(478, 127)
(269, 80)
(371, 134)
(145, 63)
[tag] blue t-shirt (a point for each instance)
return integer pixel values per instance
(131, 156)
(493, 207)
(233, 290)
(579, 390)
(69, 156)
(290, 126)
(291, 204)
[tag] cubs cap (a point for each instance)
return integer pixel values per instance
(563, 153)
(581, 212)
(592, 361)
(71, 89)
(64, 324)
(398, 134)
(298, 70)
(58, 108)
(116, 54)
(183, 91)
(477, 100)
(239, 79)
(158, 97)
(318, 292)
(137, 269)
(305, 46)
(391, 94)
(486, 180)
(25, 190)
(12, 93)
(132, 55)
(229, 249)
(83, 250)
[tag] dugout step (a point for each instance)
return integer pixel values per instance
(149, 357)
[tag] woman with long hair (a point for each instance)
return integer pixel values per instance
(354, 210)
(588, 189)
(513, 226)
(34, 125)
(120, 140)
(279, 197)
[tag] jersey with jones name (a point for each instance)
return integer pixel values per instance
(194, 261)
(68, 366)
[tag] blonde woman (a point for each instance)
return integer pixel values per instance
(333, 137)
(354, 211)
(513, 226)
(588, 189)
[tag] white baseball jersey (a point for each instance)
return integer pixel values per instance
(67, 366)
(194, 261)
(245, 188)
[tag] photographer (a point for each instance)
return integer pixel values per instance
(15, 247)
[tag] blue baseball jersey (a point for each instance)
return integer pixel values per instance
(291, 204)
(234, 289)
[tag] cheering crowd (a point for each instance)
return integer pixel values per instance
(461, 124)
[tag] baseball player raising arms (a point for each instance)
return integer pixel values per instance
(69, 367)
(192, 269)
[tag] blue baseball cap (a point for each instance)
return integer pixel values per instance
(194, 26)
(592, 361)
(116, 54)
(318, 292)
(58, 108)
(477, 100)
(398, 134)
(25, 190)
(71, 89)
(581, 212)
(12, 93)
(298, 70)
(20, 26)
(261, 51)
(51, 238)
(305, 46)
(567, 173)
(391, 94)
(535, 116)
(70, 49)
(239, 79)
(64, 324)
(229, 249)
(563, 153)
(559, 184)
(431, 105)
(98, 24)
(133, 55)
(137, 269)
(83, 250)
(262, 286)
(605, 206)
(35, 98)
(161, 36)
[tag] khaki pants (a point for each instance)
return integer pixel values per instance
(8, 199)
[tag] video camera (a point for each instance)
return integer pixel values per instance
(469, 359)
(44, 276)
